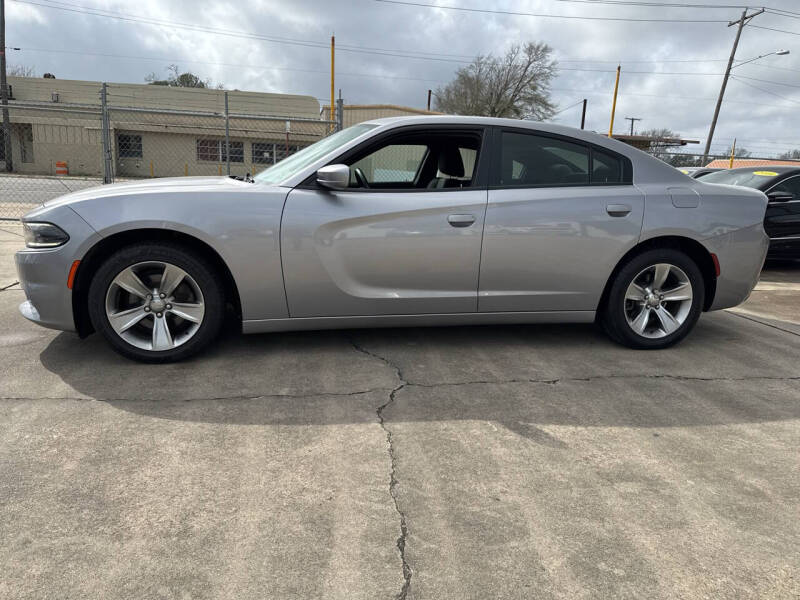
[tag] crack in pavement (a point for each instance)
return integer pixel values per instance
(401, 541)
(10, 285)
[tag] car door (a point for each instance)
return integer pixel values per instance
(561, 213)
(782, 220)
(398, 247)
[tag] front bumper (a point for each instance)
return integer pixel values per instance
(43, 273)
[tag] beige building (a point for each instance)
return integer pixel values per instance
(358, 113)
(154, 130)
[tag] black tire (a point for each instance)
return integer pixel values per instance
(204, 275)
(613, 317)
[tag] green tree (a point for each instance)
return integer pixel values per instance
(515, 85)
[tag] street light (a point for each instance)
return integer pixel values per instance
(731, 66)
(775, 53)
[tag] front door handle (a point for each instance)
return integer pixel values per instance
(618, 210)
(461, 220)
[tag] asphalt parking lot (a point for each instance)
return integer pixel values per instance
(470, 462)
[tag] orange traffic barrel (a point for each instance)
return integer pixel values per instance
(61, 168)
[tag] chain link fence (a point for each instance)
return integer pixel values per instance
(54, 148)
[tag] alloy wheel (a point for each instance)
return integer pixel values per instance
(658, 301)
(154, 305)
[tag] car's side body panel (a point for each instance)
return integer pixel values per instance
(381, 253)
(554, 248)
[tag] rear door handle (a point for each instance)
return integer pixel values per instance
(618, 210)
(461, 220)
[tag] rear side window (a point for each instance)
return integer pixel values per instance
(533, 160)
(606, 168)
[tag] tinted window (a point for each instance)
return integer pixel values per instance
(790, 186)
(606, 168)
(530, 160)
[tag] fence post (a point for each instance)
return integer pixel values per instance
(339, 114)
(227, 138)
(108, 176)
(6, 134)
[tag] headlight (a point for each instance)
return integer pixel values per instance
(43, 235)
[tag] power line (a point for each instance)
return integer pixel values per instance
(543, 15)
(773, 29)
(768, 81)
(226, 64)
(763, 90)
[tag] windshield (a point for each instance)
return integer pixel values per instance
(307, 156)
(752, 179)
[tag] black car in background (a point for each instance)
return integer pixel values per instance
(781, 184)
(698, 172)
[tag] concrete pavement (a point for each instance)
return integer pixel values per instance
(480, 462)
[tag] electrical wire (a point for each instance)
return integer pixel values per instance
(543, 15)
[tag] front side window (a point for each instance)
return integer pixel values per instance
(418, 160)
(397, 163)
(528, 160)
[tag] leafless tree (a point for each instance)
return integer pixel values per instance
(21, 71)
(790, 155)
(515, 85)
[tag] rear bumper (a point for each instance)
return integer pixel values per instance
(43, 273)
(741, 255)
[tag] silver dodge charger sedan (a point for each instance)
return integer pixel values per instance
(394, 222)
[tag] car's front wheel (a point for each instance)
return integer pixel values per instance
(654, 300)
(156, 302)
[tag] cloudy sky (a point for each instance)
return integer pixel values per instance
(672, 57)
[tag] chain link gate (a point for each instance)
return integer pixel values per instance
(57, 148)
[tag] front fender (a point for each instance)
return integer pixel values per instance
(243, 227)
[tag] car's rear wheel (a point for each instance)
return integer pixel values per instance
(654, 300)
(156, 302)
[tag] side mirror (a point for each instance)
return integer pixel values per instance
(778, 196)
(334, 177)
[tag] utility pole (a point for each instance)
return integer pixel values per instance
(614, 103)
(333, 106)
(741, 22)
(632, 120)
(583, 114)
(4, 90)
(429, 99)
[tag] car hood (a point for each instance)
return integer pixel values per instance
(149, 186)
